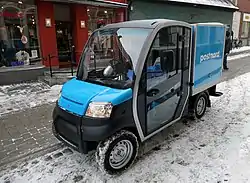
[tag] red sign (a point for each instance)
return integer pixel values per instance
(24, 39)
(11, 15)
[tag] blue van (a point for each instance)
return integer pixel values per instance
(135, 79)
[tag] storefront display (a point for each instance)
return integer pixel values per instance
(97, 18)
(60, 27)
(100, 16)
(19, 43)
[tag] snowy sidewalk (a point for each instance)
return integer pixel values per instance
(240, 50)
(239, 53)
(215, 150)
(26, 95)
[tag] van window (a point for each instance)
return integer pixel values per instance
(161, 61)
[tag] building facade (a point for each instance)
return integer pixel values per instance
(244, 21)
(236, 21)
(30, 30)
(191, 11)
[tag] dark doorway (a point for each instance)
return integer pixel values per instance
(64, 30)
(64, 42)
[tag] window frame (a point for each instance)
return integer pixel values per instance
(244, 24)
(186, 61)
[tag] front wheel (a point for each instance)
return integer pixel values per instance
(118, 152)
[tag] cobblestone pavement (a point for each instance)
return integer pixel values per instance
(26, 132)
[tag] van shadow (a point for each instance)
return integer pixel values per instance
(166, 136)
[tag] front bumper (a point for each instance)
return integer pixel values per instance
(80, 132)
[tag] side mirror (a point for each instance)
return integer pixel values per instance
(167, 57)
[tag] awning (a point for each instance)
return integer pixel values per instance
(104, 3)
(215, 3)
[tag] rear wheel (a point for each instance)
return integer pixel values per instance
(118, 152)
(199, 106)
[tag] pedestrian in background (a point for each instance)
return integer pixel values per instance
(228, 47)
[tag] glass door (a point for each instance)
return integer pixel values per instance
(64, 30)
(64, 42)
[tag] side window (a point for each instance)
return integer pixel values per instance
(161, 61)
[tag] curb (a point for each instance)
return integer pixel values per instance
(238, 53)
(31, 155)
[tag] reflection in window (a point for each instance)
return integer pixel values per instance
(161, 61)
(132, 40)
(19, 43)
(245, 29)
(98, 17)
(201, 39)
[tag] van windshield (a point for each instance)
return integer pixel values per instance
(111, 55)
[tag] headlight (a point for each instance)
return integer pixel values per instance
(99, 110)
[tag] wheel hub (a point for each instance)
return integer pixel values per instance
(201, 105)
(121, 154)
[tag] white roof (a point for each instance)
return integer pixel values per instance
(215, 3)
(148, 23)
(210, 23)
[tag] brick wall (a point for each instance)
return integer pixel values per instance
(244, 5)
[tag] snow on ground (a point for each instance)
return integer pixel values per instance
(215, 149)
(26, 95)
(241, 49)
(238, 56)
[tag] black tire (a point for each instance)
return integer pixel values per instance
(199, 111)
(105, 153)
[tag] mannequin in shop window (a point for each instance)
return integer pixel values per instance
(22, 56)
(5, 49)
(100, 24)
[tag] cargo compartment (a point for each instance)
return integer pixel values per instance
(208, 54)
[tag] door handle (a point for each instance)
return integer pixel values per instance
(172, 90)
(153, 92)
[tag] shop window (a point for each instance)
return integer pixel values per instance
(99, 16)
(19, 43)
(245, 29)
